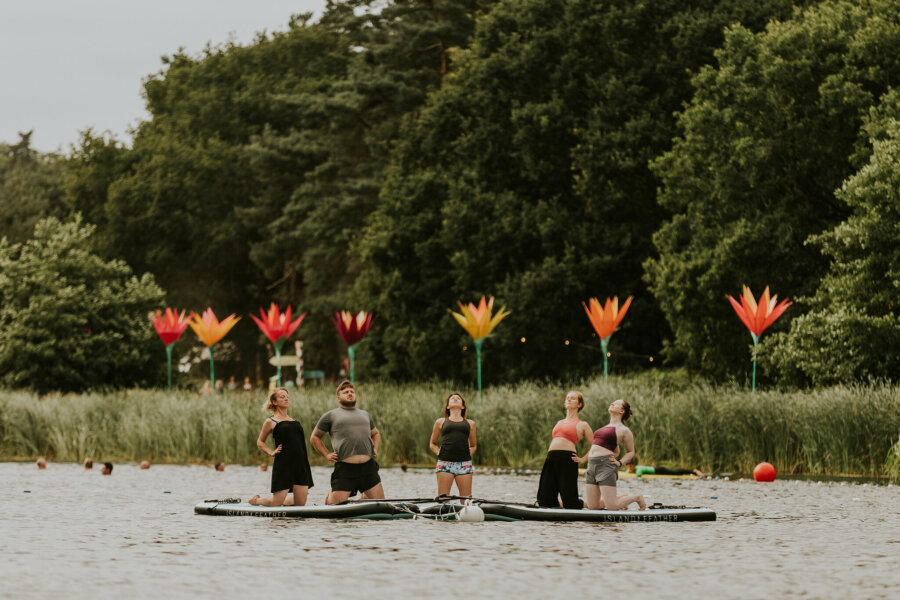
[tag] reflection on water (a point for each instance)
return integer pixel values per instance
(80, 534)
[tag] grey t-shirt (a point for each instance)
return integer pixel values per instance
(350, 429)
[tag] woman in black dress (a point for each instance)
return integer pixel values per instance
(291, 470)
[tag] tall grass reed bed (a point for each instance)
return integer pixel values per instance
(845, 430)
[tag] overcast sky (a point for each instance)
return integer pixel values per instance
(66, 65)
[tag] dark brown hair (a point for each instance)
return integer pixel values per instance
(627, 414)
(447, 404)
(346, 383)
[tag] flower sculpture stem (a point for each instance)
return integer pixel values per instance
(604, 343)
(755, 345)
(351, 352)
(212, 367)
(169, 360)
(478, 344)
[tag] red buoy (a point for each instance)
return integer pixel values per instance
(764, 472)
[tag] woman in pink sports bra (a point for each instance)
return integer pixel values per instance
(603, 467)
(559, 475)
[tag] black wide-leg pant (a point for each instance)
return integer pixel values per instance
(559, 479)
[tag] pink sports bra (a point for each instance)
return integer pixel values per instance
(606, 437)
(566, 430)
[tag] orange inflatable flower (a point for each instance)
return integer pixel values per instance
(209, 329)
(276, 325)
(606, 319)
(757, 316)
(479, 320)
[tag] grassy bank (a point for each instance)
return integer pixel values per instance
(847, 430)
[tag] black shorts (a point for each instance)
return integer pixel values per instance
(355, 478)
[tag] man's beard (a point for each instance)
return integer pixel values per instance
(347, 403)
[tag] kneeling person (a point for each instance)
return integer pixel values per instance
(355, 441)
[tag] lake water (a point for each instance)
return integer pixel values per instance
(134, 534)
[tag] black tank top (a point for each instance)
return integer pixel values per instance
(455, 441)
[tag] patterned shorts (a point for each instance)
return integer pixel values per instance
(454, 468)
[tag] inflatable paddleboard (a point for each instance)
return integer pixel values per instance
(630, 475)
(493, 511)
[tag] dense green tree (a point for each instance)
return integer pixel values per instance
(771, 131)
(169, 204)
(526, 177)
(71, 321)
(322, 173)
(31, 187)
(853, 329)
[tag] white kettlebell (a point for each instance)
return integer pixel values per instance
(471, 513)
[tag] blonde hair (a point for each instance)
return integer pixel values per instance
(269, 405)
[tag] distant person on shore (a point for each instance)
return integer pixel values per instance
(107, 468)
(232, 384)
(602, 473)
(206, 388)
(248, 387)
(291, 472)
(559, 475)
(145, 464)
(219, 466)
(640, 470)
(355, 440)
(220, 386)
(88, 464)
(41, 463)
(457, 436)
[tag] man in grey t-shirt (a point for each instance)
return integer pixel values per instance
(355, 440)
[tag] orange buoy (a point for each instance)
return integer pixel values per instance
(764, 472)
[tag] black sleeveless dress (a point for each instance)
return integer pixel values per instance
(291, 465)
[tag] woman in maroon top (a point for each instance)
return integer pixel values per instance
(602, 472)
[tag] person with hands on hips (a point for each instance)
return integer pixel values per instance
(602, 473)
(355, 441)
(291, 472)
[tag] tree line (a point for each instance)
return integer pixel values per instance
(396, 158)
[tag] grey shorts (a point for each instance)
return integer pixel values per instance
(601, 471)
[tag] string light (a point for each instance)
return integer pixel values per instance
(523, 340)
(567, 342)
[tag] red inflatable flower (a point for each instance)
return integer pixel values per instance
(352, 328)
(276, 325)
(169, 326)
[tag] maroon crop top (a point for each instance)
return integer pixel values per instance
(606, 437)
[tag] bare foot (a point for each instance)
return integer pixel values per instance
(699, 473)
(642, 504)
(254, 500)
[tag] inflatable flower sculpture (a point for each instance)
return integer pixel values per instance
(606, 320)
(210, 331)
(278, 327)
(169, 326)
(353, 328)
(479, 321)
(757, 316)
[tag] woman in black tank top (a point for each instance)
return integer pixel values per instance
(291, 472)
(457, 437)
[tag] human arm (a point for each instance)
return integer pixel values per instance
(628, 440)
(319, 446)
(473, 443)
(435, 434)
(376, 440)
(267, 428)
(586, 433)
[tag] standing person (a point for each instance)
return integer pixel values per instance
(559, 475)
(355, 440)
(457, 435)
(603, 466)
(290, 471)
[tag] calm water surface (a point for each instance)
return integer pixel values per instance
(134, 534)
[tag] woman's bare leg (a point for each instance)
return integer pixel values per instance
(444, 482)
(464, 484)
(298, 498)
(592, 496)
(609, 497)
(276, 499)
